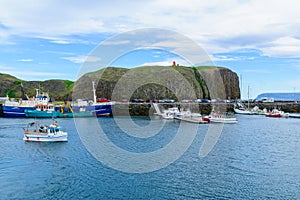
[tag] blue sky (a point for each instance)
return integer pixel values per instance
(50, 39)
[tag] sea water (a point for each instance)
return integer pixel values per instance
(257, 158)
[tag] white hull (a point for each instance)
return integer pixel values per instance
(243, 112)
(40, 138)
(192, 120)
(51, 133)
(223, 120)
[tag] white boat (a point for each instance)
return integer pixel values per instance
(222, 118)
(52, 133)
(193, 119)
(240, 109)
(170, 113)
(257, 111)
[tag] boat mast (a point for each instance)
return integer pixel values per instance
(36, 92)
(248, 98)
(94, 92)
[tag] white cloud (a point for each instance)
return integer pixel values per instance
(25, 60)
(120, 42)
(5, 68)
(207, 22)
(30, 75)
(167, 62)
(82, 59)
(230, 58)
(284, 47)
(60, 42)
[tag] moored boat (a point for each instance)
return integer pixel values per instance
(276, 113)
(52, 133)
(225, 118)
(257, 111)
(57, 112)
(195, 120)
(97, 108)
(12, 108)
(240, 109)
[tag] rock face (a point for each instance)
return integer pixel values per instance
(158, 82)
(148, 83)
(221, 82)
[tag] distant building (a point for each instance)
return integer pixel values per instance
(292, 96)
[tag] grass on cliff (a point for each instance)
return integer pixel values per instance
(69, 85)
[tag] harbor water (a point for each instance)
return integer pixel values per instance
(257, 158)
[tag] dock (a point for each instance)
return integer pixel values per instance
(294, 115)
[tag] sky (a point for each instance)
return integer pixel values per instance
(52, 39)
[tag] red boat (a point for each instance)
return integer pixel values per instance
(276, 113)
(273, 115)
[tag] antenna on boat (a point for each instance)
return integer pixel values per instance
(94, 92)
(241, 86)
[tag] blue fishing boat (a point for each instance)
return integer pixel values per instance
(98, 108)
(13, 108)
(50, 111)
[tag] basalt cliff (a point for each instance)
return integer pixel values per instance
(147, 82)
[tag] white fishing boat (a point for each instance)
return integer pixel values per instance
(194, 119)
(52, 133)
(240, 109)
(170, 113)
(257, 111)
(225, 118)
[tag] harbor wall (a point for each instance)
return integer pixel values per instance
(145, 109)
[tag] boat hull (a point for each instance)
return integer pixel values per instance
(224, 121)
(56, 114)
(243, 112)
(101, 109)
(193, 120)
(15, 111)
(273, 115)
(45, 138)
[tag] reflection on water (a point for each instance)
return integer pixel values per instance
(257, 158)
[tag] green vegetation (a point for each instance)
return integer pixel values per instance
(69, 84)
(18, 82)
(201, 84)
(10, 93)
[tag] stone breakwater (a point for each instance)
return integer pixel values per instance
(146, 109)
